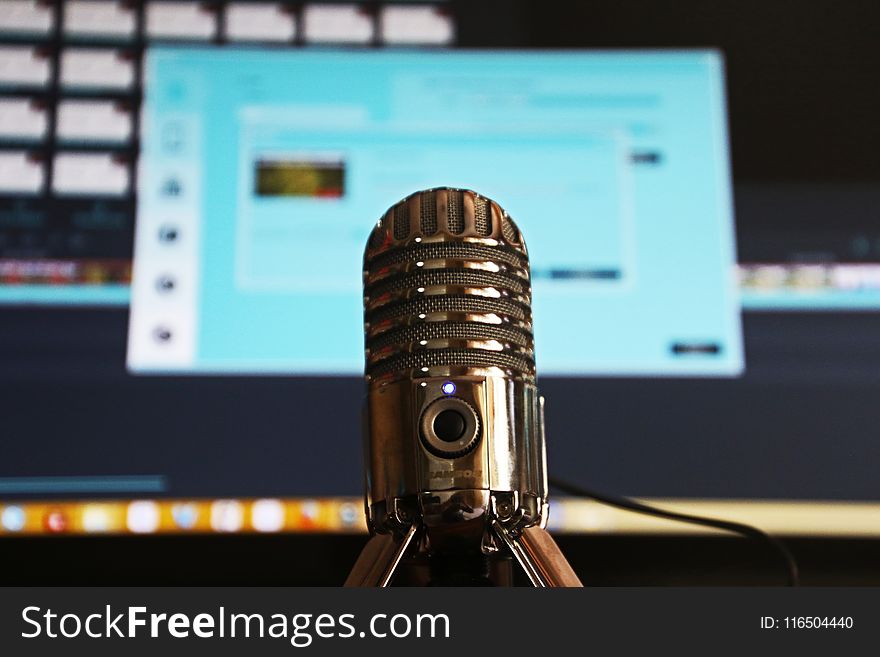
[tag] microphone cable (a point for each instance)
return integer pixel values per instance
(627, 504)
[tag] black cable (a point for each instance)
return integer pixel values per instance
(639, 507)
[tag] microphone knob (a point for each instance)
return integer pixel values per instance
(449, 427)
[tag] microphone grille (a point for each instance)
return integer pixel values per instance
(447, 290)
(428, 212)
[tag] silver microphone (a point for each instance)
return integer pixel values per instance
(454, 431)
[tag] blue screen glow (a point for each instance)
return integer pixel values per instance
(270, 169)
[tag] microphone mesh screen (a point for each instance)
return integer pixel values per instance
(508, 231)
(457, 357)
(460, 277)
(470, 304)
(429, 213)
(455, 212)
(482, 218)
(517, 262)
(460, 330)
(449, 291)
(401, 221)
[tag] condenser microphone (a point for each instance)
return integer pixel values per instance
(454, 432)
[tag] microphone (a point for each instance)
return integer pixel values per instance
(453, 430)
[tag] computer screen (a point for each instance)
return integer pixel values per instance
(269, 169)
(218, 165)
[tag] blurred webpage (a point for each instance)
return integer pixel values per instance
(263, 172)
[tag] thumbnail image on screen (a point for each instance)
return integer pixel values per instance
(300, 176)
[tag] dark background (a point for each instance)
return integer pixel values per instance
(802, 86)
(800, 424)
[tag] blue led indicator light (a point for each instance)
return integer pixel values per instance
(448, 388)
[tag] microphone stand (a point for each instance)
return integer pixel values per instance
(388, 554)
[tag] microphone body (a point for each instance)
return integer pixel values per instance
(454, 431)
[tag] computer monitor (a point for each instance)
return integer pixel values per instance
(755, 404)
(262, 174)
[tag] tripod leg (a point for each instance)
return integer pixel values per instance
(548, 558)
(540, 557)
(379, 559)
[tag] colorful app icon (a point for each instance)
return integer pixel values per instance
(185, 515)
(267, 515)
(143, 517)
(350, 514)
(95, 518)
(12, 518)
(56, 521)
(309, 512)
(227, 516)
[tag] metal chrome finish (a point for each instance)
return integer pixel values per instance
(447, 299)
(469, 436)
(380, 558)
(540, 557)
(541, 550)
